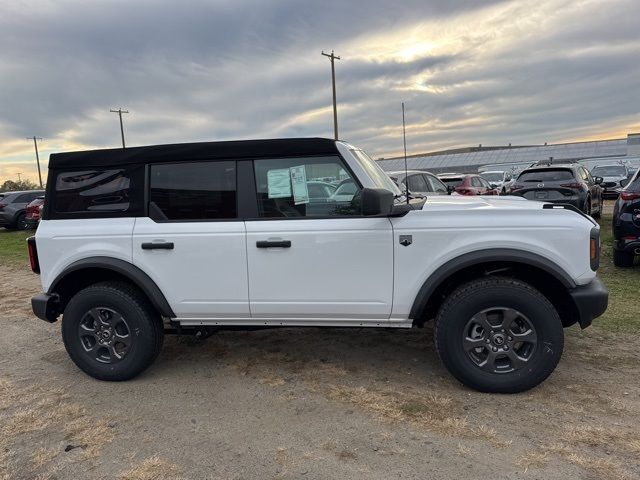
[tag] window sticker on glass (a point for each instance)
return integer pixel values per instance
(279, 183)
(299, 184)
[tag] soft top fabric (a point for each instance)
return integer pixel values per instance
(180, 152)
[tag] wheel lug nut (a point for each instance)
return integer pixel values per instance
(506, 347)
(487, 340)
(510, 338)
(495, 349)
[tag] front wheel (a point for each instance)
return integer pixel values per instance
(111, 332)
(499, 335)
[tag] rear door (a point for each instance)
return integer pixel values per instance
(192, 244)
(315, 262)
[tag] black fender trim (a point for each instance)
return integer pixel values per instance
(126, 269)
(483, 256)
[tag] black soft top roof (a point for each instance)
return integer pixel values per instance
(190, 151)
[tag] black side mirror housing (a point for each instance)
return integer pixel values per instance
(624, 183)
(599, 180)
(450, 189)
(376, 201)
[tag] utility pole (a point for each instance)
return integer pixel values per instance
(120, 112)
(35, 144)
(19, 179)
(333, 57)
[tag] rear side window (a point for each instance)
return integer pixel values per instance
(96, 191)
(550, 175)
(194, 190)
(452, 182)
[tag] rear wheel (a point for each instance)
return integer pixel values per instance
(499, 335)
(622, 258)
(21, 222)
(111, 332)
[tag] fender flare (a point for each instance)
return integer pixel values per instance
(483, 256)
(134, 274)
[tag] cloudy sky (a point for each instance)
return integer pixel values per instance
(470, 71)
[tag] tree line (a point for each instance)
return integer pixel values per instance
(22, 184)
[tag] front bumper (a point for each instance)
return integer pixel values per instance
(590, 300)
(45, 307)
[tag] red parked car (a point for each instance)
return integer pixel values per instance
(34, 212)
(468, 184)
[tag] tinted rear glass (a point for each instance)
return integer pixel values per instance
(547, 175)
(452, 182)
(99, 191)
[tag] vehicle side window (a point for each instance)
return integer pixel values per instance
(486, 184)
(416, 183)
(99, 191)
(194, 190)
(476, 182)
(583, 174)
(283, 188)
(435, 184)
(24, 198)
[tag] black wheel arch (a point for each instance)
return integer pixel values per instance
(92, 270)
(540, 272)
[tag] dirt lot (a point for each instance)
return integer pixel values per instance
(308, 403)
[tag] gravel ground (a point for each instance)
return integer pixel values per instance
(307, 403)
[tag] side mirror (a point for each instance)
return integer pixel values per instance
(599, 180)
(376, 201)
(624, 183)
(450, 189)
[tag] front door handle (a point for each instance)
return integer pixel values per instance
(273, 244)
(157, 246)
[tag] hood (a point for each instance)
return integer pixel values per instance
(462, 202)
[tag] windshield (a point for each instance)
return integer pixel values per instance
(375, 172)
(609, 171)
(492, 176)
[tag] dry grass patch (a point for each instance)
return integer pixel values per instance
(533, 460)
(38, 415)
(604, 468)
(151, 469)
(434, 412)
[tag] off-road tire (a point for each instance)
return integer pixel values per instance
(144, 326)
(464, 303)
(622, 259)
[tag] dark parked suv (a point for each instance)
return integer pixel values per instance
(626, 224)
(13, 206)
(561, 183)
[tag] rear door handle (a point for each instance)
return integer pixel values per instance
(157, 246)
(273, 244)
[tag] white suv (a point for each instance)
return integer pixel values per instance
(141, 241)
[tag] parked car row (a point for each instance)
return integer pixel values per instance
(13, 208)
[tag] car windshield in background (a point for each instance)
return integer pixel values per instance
(609, 171)
(452, 182)
(492, 177)
(547, 175)
(376, 173)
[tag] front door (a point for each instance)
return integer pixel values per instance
(192, 245)
(316, 260)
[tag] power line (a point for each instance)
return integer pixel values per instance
(35, 144)
(333, 57)
(120, 112)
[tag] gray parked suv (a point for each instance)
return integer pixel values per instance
(13, 207)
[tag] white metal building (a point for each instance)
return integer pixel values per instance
(472, 159)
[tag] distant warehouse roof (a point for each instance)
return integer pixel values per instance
(470, 159)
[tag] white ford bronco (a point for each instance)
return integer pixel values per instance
(138, 242)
